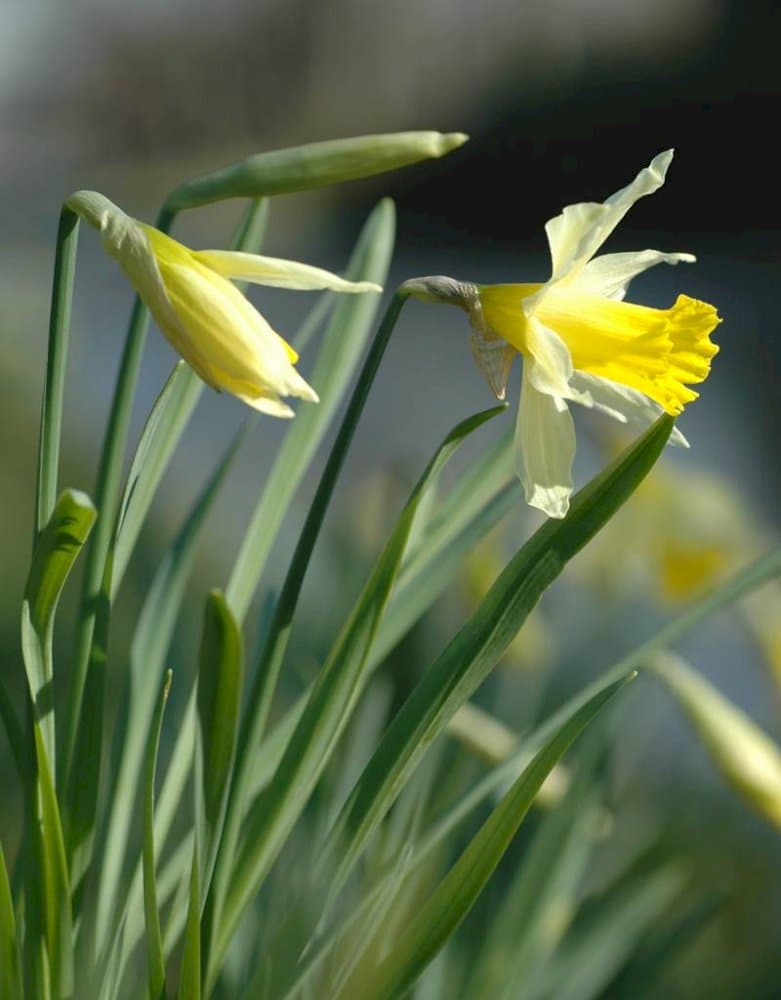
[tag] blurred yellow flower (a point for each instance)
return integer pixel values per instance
(581, 342)
(744, 754)
(207, 320)
(685, 531)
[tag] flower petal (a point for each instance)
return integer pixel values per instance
(276, 272)
(580, 230)
(553, 361)
(623, 403)
(610, 274)
(544, 448)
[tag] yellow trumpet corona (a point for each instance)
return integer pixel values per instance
(207, 320)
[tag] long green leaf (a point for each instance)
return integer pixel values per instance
(453, 898)
(154, 942)
(342, 346)
(220, 680)
(56, 365)
(329, 706)
(474, 651)
(267, 673)
(588, 963)
(10, 960)
(190, 974)
(466, 517)
(148, 650)
(163, 429)
(59, 543)
(56, 882)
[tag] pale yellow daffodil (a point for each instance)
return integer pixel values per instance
(207, 320)
(581, 342)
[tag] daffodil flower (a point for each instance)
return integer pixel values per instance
(207, 320)
(581, 342)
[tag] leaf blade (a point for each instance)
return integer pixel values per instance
(475, 649)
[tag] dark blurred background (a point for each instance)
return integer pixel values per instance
(565, 100)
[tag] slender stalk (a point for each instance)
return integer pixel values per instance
(267, 672)
(107, 497)
(54, 386)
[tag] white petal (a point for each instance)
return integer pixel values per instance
(271, 405)
(624, 404)
(277, 272)
(580, 230)
(570, 235)
(544, 449)
(610, 274)
(553, 362)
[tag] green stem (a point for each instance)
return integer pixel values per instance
(54, 386)
(267, 672)
(107, 497)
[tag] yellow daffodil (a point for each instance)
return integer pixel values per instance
(581, 342)
(208, 321)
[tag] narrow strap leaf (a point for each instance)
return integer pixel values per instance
(56, 882)
(474, 651)
(190, 973)
(10, 960)
(161, 434)
(330, 704)
(56, 365)
(148, 651)
(220, 681)
(453, 898)
(342, 346)
(267, 673)
(59, 543)
(154, 942)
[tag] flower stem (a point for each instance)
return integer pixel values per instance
(54, 386)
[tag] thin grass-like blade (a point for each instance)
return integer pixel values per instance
(220, 681)
(474, 651)
(56, 881)
(161, 434)
(190, 973)
(328, 708)
(423, 937)
(466, 516)
(596, 953)
(58, 545)
(10, 959)
(342, 346)
(148, 650)
(56, 365)
(154, 941)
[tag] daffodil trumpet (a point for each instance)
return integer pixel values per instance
(207, 320)
(581, 343)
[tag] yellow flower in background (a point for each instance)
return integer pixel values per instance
(207, 320)
(747, 758)
(685, 532)
(581, 342)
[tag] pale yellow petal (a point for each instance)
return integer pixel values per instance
(545, 448)
(278, 273)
